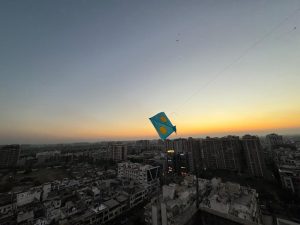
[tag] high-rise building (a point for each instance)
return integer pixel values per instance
(222, 153)
(210, 153)
(143, 145)
(170, 168)
(182, 154)
(179, 145)
(231, 150)
(181, 163)
(194, 154)
(252, 150)
(9, 155)
(226, 153)
(273, 140)
(213, 155)
(117, 152)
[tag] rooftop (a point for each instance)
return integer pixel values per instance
(111, 203)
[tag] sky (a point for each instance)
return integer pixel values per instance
(85, 70)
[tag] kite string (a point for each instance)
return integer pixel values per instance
(237, 59)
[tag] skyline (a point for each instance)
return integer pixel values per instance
(95, 70)
(284, 132)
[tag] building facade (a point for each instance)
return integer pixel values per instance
(226, 153)
(252, 150)
(232, 153)
(117, 152)
(146, 175)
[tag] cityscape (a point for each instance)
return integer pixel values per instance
(149, 112)
(241, 180)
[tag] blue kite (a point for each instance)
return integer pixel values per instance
(163, 125)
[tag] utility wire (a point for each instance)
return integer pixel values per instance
(237, 59)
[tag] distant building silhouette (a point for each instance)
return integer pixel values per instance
(179, 145)
(232, 152)
(117, 152)
(213, 153)
(252, 150)
(9, 155)
(274, 140)
(226, 153)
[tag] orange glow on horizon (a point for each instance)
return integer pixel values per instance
(191, 130)
(91, 130)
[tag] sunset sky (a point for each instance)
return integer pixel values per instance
(97, 70)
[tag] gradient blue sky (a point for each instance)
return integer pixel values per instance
(93, 70)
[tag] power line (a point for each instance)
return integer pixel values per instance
(237, 59)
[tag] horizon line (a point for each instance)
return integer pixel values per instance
(90, 141)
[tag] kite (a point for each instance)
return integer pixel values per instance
(163, 125)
